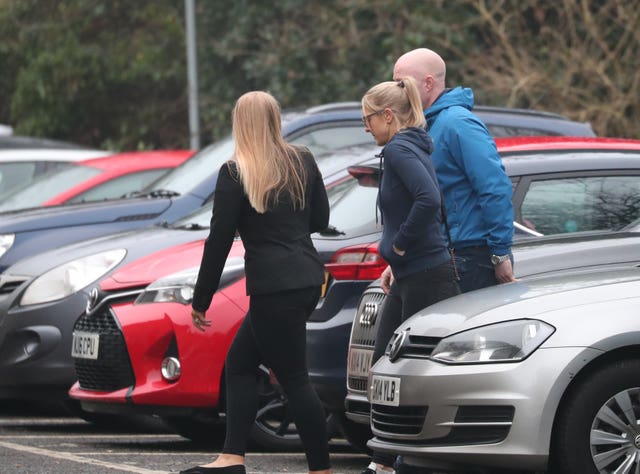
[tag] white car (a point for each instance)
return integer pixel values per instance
(19, 166)
(539, 374)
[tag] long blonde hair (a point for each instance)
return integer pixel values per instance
(268, 166)
(400, 96)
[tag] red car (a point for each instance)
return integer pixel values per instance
(95, 179)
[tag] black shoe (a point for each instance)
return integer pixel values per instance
(235, 469)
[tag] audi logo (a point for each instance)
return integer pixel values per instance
(369, 314)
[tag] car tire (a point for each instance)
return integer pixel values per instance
(594, 411)
(274, 428)
(356, 434)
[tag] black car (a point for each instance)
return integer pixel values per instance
(323, 128)
(183, 190)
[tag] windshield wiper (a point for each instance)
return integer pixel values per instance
(160, 193)
(193, 226)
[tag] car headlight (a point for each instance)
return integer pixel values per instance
(511, 341)
(70, 277)
(6, 241)
(178, 287)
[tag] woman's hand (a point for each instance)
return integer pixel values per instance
(386, 279)
(199, 320)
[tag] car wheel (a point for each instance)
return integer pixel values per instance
(356, 434)
(599, 430)
(274, 428)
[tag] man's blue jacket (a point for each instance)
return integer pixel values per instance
(472, 178)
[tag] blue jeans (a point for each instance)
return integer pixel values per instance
(474, 268)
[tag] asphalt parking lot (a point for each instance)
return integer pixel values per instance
(45, 442)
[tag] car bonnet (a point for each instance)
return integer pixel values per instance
(528, 298)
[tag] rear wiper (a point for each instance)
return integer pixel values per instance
(331, 230)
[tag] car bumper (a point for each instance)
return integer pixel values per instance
(328, 342)
(498, 415)
(146, 334)
(358, 408)
(35, 348)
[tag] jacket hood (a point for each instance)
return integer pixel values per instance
(451, 97)
(418, 136)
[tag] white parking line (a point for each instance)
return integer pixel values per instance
(78, 459)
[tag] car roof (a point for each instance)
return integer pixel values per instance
(542, 143)
(501, 121)
(21, 141)
(139, 160)
(50, 154)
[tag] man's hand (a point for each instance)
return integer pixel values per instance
(387, 279)
(504, 272)
(199, 320)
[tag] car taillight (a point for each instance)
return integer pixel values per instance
(360, 262)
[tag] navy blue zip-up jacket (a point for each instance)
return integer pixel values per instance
(409, 200)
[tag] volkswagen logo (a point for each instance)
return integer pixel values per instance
(637, 441)
(93, 299)
(395, 346)
(369, 314)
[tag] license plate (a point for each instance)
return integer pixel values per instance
(323, 290)
(85, 345)
(385, 390)
(359, 362)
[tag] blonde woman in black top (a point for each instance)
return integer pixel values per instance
(273, 194)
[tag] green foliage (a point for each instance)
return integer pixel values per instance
(112, 73)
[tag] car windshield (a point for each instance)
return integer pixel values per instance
(182, 179)
(46, 187)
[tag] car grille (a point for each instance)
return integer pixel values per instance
(112, 370)
(9, 283)
(363, 332)
(365, 324)
(472, 425)
(418, 347)
(405, 420)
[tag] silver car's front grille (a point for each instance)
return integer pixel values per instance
(418, 347)
(363, 331)
(472, 424)
(365, 324)
(406, 420)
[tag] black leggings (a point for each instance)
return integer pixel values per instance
(274, 334)
(408, 296)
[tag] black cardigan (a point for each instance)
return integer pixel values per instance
(279, 253)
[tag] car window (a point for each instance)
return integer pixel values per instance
(513, 131)
(120, 186)
(13, 175)
(319, 139)
(45, 187)
(352, 206)
(327, 138)
(557, 206)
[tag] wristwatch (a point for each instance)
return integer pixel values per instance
(498, 259)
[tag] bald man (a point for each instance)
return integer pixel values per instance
(475, 186)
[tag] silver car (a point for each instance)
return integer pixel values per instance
(538, 374)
